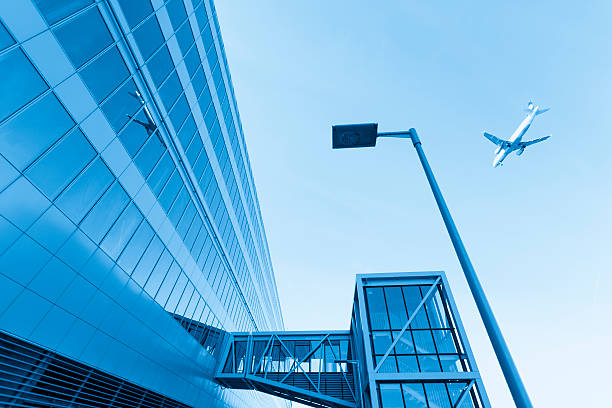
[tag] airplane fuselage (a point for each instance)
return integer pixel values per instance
(514, 142)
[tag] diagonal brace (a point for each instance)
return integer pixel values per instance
(296, 363)
(463, 394)
(429, 293)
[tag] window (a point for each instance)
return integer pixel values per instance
(134, 135)
(170, 90)
(135, 10)
(200, 14)
(391, 396)
(122, 231)
(414, 395)
(176, 12)
(135, 248)
(207, 38)
(148, 156)
(420, 348)
(106, 211)
(192, 61)
(199, 83)
(121, 104)
(194, 149)
(5, 38)
(85, 191)
(61, 164)
(54, 10)
(26, 136)
(184, 37)
(84, 37)
(20, 83)
(179, 112)
(160, 174)
(186, 133)
(147, 261)
(149, 37)
(377, 309)
(160, 65)
(105, 74)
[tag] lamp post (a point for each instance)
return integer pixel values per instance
(365, 135)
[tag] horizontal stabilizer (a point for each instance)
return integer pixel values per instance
(541, 111)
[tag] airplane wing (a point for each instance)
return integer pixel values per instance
(494, 139)
(530, 142)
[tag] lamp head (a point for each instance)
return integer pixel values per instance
(358, 135)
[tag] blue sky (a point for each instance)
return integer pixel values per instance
(537, 229)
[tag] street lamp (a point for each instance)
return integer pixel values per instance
(365, 135)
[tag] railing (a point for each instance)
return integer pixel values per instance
(306, 367)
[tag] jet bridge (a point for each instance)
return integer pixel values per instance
(406, 347)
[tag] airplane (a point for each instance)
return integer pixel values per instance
(149, 125)
(505, 147)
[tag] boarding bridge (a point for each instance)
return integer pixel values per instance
(406, 347)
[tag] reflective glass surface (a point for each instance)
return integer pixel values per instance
(420, 346)
(27, 135)
(423, 395)
(54, 10)
(105, 74)
(5, 38)
(114, 231)
(20, 83)
(148, 37)
(81, 48)
(58, 167)
(135, 10)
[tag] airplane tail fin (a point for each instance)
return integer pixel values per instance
(531, 107)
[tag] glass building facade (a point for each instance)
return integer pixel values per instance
(131, 239)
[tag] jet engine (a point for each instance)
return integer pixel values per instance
(518, 153)
(498, 149)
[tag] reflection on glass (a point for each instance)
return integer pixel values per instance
(381, 342)
(423, 341)
(25, 136)
(149, 37)
(105, 74)
(56, 169)
(5, 38)
(78, 198)
(429, 364)
(81, 48)
(405, 344)
(120, 105)
(20, 82)
(450, 362)
(437, 395)
(414, 395)
(395, 305)
(391, 396)
(377, 309)
(407, 364)
(135, 10)
(455, 390)
(160, 65)
(444, 341)
(176, 12)
(54, 10)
